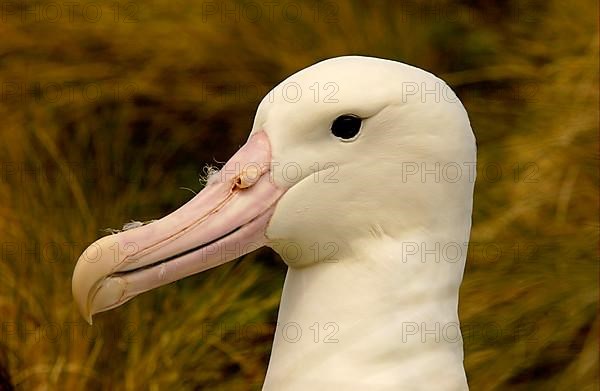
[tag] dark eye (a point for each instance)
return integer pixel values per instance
(346, 126)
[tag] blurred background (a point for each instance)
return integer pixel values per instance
(110, 108)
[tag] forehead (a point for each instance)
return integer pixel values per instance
(357, 85)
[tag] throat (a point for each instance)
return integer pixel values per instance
(365, 323)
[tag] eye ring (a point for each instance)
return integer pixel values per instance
(346, 127)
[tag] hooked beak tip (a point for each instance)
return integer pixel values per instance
(85, 312)
(81, 294)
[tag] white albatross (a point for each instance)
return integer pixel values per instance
(359, 172)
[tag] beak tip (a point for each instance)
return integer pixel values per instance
(80, 302)
(89, 268)
(85, 313)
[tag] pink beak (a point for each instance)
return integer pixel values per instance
(226, 220)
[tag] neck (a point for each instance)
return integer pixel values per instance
(382, 319)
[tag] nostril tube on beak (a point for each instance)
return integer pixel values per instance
(248, 177)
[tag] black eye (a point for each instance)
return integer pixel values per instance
(346, 126)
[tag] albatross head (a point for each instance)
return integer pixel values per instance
(366, 148)
(345, 157)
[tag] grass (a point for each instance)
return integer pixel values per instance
(179, 88)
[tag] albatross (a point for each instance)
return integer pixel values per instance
(359, 173)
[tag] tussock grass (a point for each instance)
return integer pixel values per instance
(179, 92)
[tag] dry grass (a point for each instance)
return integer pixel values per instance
(71, 166)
